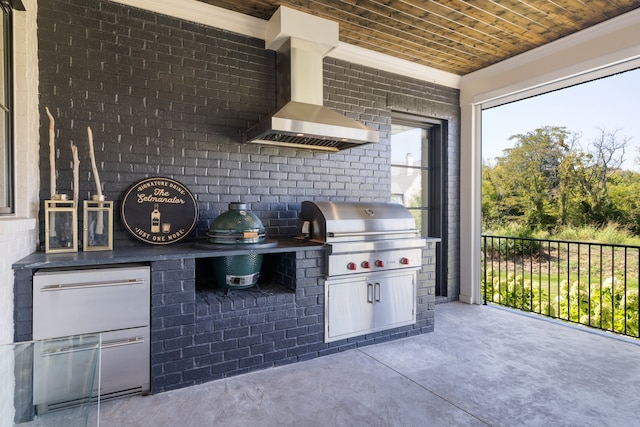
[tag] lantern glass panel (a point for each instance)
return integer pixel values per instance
(61, 226)
(98, 225)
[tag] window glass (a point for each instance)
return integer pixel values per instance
(409, 167)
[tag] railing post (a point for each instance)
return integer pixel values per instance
(484, 245)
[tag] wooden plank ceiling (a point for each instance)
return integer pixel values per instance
(457, 36)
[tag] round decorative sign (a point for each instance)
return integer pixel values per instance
(159, 211)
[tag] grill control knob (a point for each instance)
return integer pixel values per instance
(351, 266)
(379, 263)
(404, 261)
(366, 264)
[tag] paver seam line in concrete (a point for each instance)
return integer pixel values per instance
(423, 387)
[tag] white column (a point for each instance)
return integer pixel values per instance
(470, 203)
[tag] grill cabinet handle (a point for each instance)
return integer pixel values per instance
(370, 293)
(91, 285)
(368, 233)
(68, 349)
(105, 344)
(120, 343)
(376, 292)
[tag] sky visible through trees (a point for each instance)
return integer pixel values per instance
(611, 103)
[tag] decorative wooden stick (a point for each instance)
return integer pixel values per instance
(76, 172)
(52, 153)
(52, 168)
(96, 177)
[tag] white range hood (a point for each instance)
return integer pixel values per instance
(300, 120)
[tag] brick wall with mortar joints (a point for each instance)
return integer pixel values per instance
(168, 97)
(246, 331)
(171, 98)
(23, 305)
(172, 322)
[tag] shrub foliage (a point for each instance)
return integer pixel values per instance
(609, 305)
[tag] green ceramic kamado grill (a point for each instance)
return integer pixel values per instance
(237, 228)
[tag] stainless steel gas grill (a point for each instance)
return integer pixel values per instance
(373, 254)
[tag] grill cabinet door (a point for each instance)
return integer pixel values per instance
(348, 311)
(369, 303)
(395, 301)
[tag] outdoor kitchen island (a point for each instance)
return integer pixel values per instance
(200, 333)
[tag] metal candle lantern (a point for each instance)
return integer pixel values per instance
(97, 224)
(60, 225)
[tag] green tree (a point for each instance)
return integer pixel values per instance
(623, 192)
(524, 185)
(547, 181)
(602, 163)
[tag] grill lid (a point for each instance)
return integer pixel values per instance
(328, 222)
(237, 225)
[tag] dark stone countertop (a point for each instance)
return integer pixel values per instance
(149, 253)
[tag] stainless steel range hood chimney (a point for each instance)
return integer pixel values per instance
(301, 41)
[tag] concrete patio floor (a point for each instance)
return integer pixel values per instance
(483, 366)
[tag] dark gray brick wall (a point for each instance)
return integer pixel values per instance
(23, 305)
(426, 293)
(200, 335)
(165, 97)
(219, 335)
(173, 309)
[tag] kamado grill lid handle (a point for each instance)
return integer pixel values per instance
(237, 206)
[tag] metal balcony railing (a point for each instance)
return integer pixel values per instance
(592, 284)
